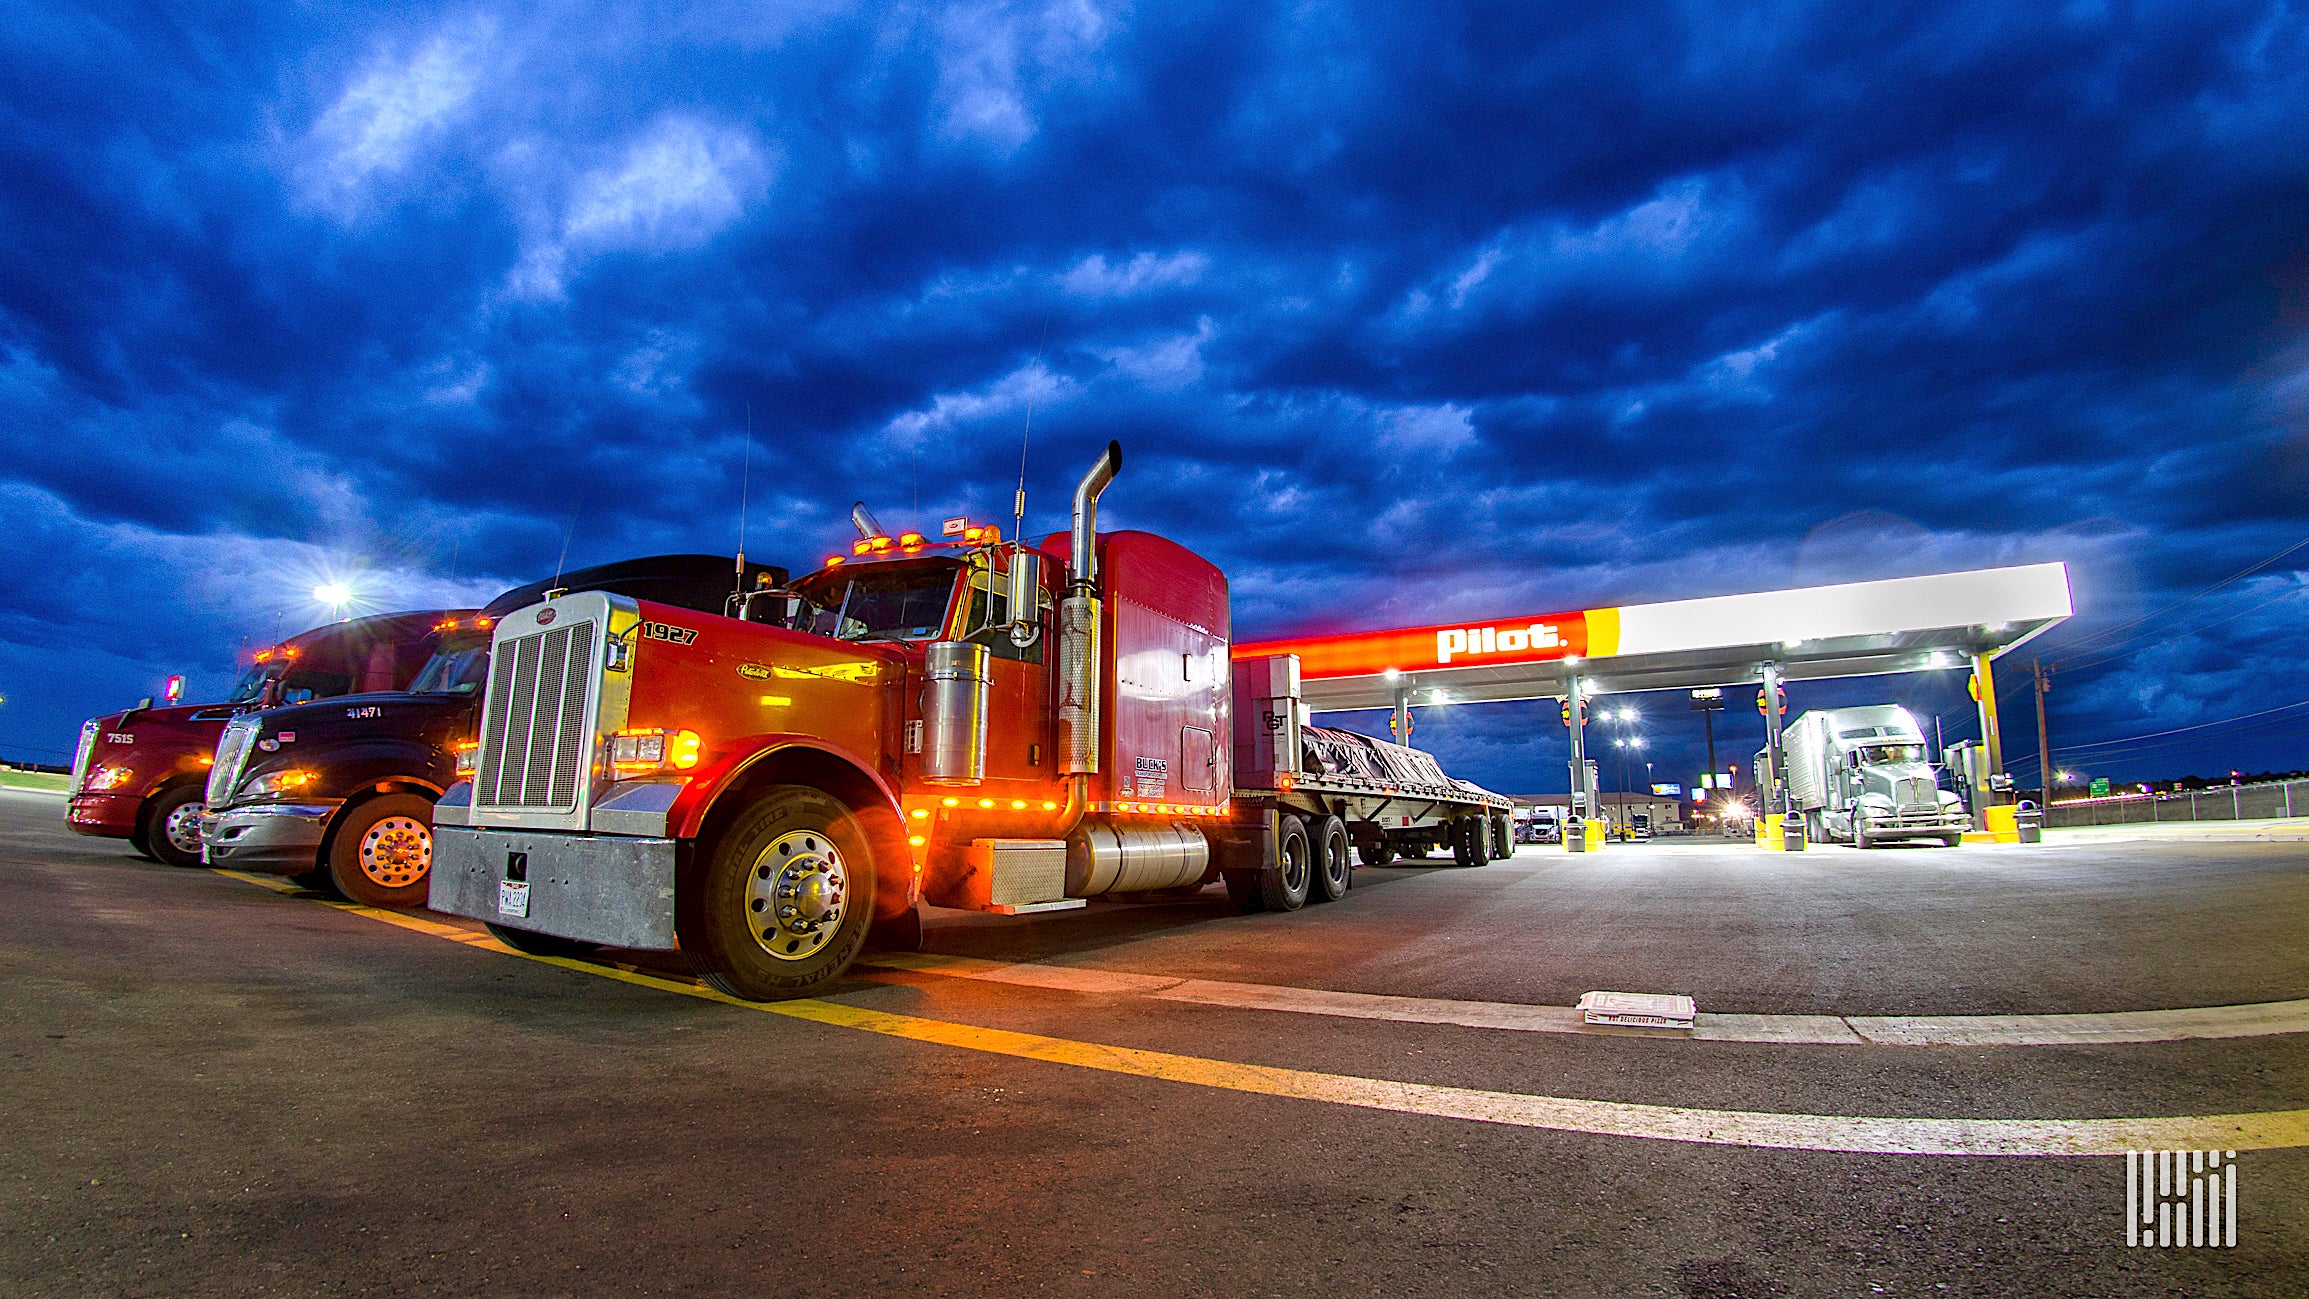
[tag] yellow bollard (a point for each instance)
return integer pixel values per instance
(1768, 834)
(2002, 823)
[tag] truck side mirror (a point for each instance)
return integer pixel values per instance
(1025, 596)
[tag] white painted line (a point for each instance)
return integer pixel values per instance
(2254, 1020)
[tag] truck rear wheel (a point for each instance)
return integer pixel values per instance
(1284, 887)
(382, 852)
(1471, 840)
(1333, 868)
(787, 898)
(172, 826)
(1502, 838)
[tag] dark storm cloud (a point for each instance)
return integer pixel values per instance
(1401, 315)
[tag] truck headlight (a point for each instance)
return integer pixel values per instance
(468, 758)
(104, 778)
(639, 752)
(274, 785)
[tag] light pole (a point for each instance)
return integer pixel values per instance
(1626, 717)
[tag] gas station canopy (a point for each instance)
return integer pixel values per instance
(1902, 624)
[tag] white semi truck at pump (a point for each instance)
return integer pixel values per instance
(1861, 776)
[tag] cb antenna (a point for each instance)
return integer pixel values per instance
(745, 487)
(1018, 504)
(566, 534)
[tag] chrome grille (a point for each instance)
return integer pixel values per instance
(534, 742)
(232, 753)
(80, 755)
(1916, 791)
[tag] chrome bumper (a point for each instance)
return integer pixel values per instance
(274, 838)
(616, 890)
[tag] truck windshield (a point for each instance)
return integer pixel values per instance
(896, 604)
(457, 668)
(1879, 755)
(252, 683)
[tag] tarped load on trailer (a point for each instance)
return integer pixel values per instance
(1328, 752)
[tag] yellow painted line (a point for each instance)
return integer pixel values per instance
(2284, 1129)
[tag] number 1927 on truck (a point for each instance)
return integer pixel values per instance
(976, 723)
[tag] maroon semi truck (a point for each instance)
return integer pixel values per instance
(140, 775)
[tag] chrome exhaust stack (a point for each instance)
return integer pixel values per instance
(1078, 625)
(862, 519)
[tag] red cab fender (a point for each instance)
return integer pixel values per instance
(688, 814)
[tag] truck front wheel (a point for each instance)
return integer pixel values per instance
(172, 826)
(382, 853)
(788, 897)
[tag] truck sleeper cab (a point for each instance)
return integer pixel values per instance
(141, 775)
(1860, 775)
(977, 723)
(340, 793)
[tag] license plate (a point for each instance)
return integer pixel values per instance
(513, 898)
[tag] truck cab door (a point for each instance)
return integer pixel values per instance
(1019, 722)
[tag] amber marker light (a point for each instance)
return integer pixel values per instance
(910, 541)
(954, 802)
(682, 749)
(920, 814)
(1050, 807)
(834, 561)
(777, 701)
(1018, 805)
(986, 802)
(916, 840)
(861, 546)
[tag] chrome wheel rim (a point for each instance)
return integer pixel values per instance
(182, 829)
(396, 852)
(795, 895)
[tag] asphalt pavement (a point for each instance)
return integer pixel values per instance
(218, 1088)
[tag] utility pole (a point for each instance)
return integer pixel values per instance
(2043, 745)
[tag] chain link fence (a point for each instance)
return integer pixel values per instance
(2222, 803)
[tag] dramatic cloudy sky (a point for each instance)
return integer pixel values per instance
(1402, 312)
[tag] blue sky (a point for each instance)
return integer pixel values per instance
(1403, 313)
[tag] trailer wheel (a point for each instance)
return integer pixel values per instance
(1470, 840)
(382, 852)
(1284, 888)
(1376, 852)
(1502, 838)
(1333, 868)
(531, 943)
(172, 826)
(787, 897)
(1243, 890)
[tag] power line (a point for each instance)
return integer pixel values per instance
(2246, 571)
(2182, 730)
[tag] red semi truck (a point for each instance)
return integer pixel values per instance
(974, 723)
(140, 775)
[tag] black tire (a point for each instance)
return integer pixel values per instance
(1243, 890)
(898, 933)
(1502, 838)
(1333, 872)
(381, 854)
(137, 841)
(1859, 832)
(172, 826)
(786, 898)
(1952, 841)
(1377, 852)
(1284, 887)
(536, 944)
(1471, 841)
